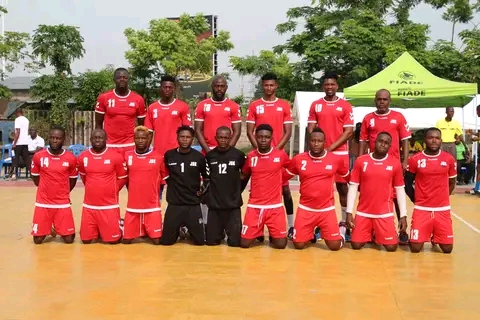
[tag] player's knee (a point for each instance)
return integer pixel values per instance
(446, 248)
(233, 243)
(246, 243)
(279, 243)
(87, 241)
(69, 239)
(38, 240)
(357, 245)
(415, 247)
(212, 243)
(299, 245)
(127, 241)
(334, 245)
(390, 247)
(155, 241)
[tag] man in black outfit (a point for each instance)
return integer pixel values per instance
(185, 168)
(224, 195)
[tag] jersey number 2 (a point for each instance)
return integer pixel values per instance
(304, 165)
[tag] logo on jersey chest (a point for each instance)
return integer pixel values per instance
(328, 167)
(389, 168)
(174, 113)
(231, 163)
(393, 121)
(276, 159)
(193, 164)
(107, 161)
(443, 163)
(152, 161)
(131, 104)
(65, 164)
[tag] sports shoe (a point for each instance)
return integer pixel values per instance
(403, 238)
(431, 241)
(121, 223)
(317, 233)
(348, 235)
(290, 233)
(183, 233)
(261, 239)
(53, 232)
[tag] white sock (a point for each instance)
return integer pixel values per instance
(290, 220)
(344, 214)
(343, 231)
(204, 213)
(343, 242)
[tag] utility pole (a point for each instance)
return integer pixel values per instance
(4, 5)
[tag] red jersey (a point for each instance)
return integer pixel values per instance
(275, 113)
(392, 122)
(215, 114)
(265, 170)
(432, 190)
(317, 175)
(164, 120)
(55, 172)
(101, 171)
(121, 115)
(332, 117)
(145, 173)
(377, 180)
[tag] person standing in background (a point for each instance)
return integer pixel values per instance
(20, 143)
(35, 144)
(450, 128)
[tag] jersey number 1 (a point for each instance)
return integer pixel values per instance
(182, 167)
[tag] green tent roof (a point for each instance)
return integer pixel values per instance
(411, 86)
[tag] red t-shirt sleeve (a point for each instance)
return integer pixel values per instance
(355, 176)
(348, 115)
(149, 118)
(185, 114)
(287, 113)
(73, 167)
(452, 167)
(292, 166)
(121, 168)
(364, 130)
(141, 111)
(251, 113)
(100, 107)
(404, 128)
(398, 180)
(235, 113)
(312, 115)
(343, 169)
(412, 165)
(35, 166)
(246, 167)
(199, 113)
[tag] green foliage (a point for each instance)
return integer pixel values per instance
(90, 84)
(42, 125)
(291, 77)
(57, 46)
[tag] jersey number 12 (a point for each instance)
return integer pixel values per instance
(222, 168)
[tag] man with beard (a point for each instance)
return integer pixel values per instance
(103, 172)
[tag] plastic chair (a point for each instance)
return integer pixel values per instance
(6, 161)
(76, 149)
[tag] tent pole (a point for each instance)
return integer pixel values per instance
(475, 146)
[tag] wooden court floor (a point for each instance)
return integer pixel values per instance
(143, 281)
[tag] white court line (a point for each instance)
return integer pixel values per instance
(465, 222)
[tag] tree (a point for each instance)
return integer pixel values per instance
(12, 50)
(90, 84)
(57, 46)
(291, 77)
(171, 47)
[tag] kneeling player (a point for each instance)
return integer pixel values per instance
(104, 174)
(433, 172)
(224, 195)
(54, 172)
(317, 170)
(146, 170)
(265, 207)
(377, 174)
(184, 169)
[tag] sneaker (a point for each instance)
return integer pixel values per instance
(403, 238)
(290, 233)
(348, 235)
(183, 233)
(53, 232)
(121, 223)
(431, 241)
(261, 239)
(317, 233)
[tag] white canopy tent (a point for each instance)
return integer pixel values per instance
(417, 118)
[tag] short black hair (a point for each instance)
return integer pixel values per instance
(186, 128)
(119, 70)
(478, 107)
(223, 128)
(269, 76)
(317, 129)
(433, 129)
(264, 126)
(58, 128)
(384, 133)
(446, 108)
(330, 75)
(167, 78)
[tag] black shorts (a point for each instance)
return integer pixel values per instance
(220, 222)
(178, 216)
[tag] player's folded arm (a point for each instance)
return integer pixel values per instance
(409, 190)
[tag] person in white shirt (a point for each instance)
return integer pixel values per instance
(35, 143)
(20, 143)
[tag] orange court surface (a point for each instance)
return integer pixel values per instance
(142, 281)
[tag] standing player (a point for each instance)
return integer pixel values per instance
(433, 172)
(217, 112)
(265, 165)
(117, 111)
(104, 174)
(185, 168)
(146, 170)
(224, 195)
(164, 117)
(335, 117)
(377, 174)
(317, 170)
(278, 114)
(54, 172)
(393, 122)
